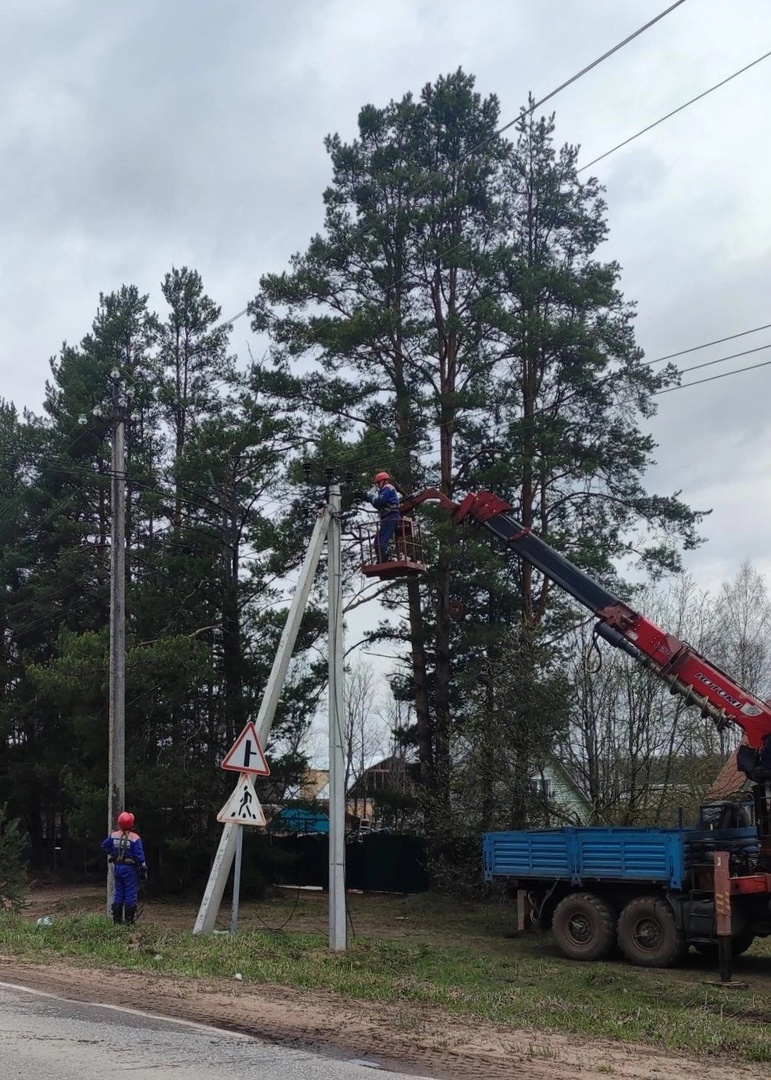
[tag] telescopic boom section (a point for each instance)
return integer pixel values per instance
(687, 673)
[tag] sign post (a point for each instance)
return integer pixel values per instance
(237, 880)
(243, 807)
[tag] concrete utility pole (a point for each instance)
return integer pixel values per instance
(116, 791)
(337, 920)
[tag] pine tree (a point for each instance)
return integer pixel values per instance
(464, 334)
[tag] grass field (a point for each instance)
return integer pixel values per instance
(460, 958)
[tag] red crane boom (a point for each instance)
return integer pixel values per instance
(687, 672)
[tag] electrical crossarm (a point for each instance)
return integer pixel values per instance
(692, 676)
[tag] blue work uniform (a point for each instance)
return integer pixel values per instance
(128, 857)
(387, 503)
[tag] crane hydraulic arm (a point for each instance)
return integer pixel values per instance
(687, 673)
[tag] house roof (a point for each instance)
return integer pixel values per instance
(388, 767)
(313, 782)
(729, 780)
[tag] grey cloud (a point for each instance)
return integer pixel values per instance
(134, 136)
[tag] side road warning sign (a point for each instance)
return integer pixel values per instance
(243, 806)
(246, 754)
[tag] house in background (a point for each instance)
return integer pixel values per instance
(561, 799)
(384, 795)
(314, 785)
(387, 787)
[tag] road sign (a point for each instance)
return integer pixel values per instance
(246, 755)
(243, 806)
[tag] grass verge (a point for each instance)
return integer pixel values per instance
(438, 955)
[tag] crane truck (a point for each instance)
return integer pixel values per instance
(653, 891)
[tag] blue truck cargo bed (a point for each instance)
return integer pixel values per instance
(576, 854)
(593, 853)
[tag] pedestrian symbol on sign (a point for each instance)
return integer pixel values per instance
(243, 806)
(243, 810)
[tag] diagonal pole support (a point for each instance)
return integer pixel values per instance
(223, 860)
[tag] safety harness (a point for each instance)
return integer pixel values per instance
(124, 847)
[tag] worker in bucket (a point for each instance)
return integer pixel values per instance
(387, 503)
(125, 852)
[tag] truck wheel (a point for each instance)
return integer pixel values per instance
(739, 944)
(584, 926)
(648, 934)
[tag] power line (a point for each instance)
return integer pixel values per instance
(435, 443)
(706, 345)
(673, 113)
(229, 322)
(455, 247)
(722, 359)
(588, 68)
(712, 378)
(659, 359)
(365, 226)
(372, 461)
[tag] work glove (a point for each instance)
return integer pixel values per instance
(143, 872)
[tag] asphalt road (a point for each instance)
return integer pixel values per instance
(43, 1037)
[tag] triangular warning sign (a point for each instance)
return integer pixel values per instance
(246, 754)
(243, 806)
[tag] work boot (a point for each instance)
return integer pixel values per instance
(131, 914)
(117, 914)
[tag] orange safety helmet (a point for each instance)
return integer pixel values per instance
(126, 821)
(381, 476)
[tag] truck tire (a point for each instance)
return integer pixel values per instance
(739, 944)
(648, 934)
(584, 926)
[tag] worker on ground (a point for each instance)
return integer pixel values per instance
(387, 503)
(125, 851)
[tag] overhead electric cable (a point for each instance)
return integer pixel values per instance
(706, 345)
(711, 378)
(585, 70)
(694, 367)
(229, 322)
(722, 359)
(673, 113)
(523, 112)
(432, 444)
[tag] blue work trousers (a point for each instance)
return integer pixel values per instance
(126, 884)
(385, 534)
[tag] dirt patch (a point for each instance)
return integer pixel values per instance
(420, 1040)
(409, 1040)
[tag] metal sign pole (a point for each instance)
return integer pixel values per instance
(237, 879)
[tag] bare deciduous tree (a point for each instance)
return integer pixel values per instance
(637, 752)
(365, 737)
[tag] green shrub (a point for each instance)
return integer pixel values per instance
(12, 877)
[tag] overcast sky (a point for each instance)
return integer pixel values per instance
(139, 136)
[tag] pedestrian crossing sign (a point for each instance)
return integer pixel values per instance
(243, 806)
